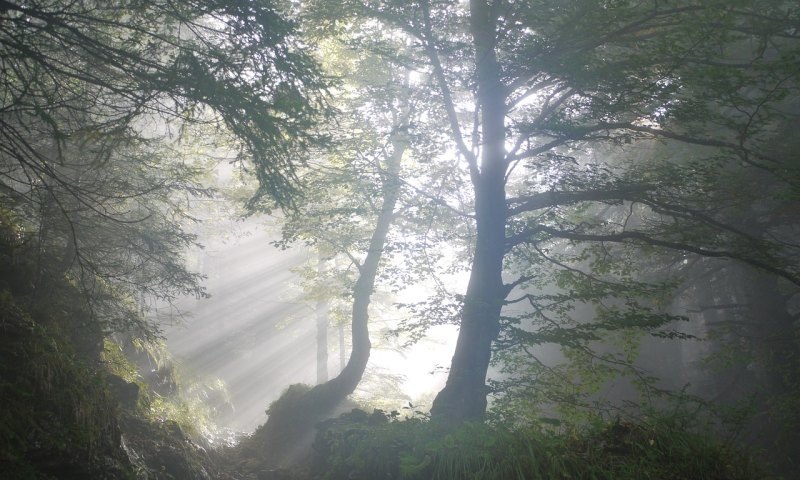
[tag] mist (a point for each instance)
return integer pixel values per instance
(451, 240)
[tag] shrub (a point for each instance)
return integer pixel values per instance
(360, 445)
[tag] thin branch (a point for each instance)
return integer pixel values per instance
(542, 200)
(441, 79)
(644, 239)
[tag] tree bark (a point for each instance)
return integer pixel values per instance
(287, 435)
(346, 382)
(464, 395)
(321, 311)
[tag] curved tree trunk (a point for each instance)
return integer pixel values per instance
(289, 430)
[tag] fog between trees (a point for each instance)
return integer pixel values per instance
(615, 182)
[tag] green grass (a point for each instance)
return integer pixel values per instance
(372, 447)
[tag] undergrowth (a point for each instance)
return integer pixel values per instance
(186, 398)
(57, 418)
(363, 446)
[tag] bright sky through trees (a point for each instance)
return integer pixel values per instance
(545, 202)
(257, 335)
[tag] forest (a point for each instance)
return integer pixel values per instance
(399, 239)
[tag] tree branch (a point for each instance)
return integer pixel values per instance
(640, 238)
(538, 201)
(441, 79)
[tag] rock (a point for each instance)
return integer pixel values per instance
(126, 393)
(164, 451)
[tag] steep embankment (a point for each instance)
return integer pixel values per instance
(65, 413)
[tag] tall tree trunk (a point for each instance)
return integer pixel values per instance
(342, 353)
(776, 348)
(464, 395)
(287, 435)
(321, 312)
